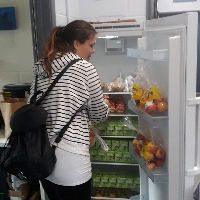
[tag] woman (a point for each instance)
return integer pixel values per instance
(80, 84)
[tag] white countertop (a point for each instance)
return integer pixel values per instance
(2, 137)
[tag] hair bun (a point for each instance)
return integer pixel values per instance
(60, 33)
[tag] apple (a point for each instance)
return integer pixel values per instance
(135, 142)
(151, 165)
(152, 148)
(158, 162)
(139, 136)
(161, 106)
(150, 108)
(98, 195)
(162, 98)
(148, 156)
(137, 151)
(137, 102)
(140, 144)
(112, 196)
(160, 153)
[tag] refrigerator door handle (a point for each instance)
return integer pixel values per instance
(196, 170)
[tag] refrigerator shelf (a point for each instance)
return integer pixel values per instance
(153, 55)
(159, 175)
(157, 120)
(127, 114)
(119, 137)
(114, 163)
(129, 93)
(107, 198)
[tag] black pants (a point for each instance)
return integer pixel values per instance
(59, 192)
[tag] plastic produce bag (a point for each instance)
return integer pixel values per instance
(126, 121)
(94, 136)
(128, 83)
(149, 147)
(117, 85)
(146, 94)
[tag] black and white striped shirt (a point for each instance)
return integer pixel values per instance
(79, 84)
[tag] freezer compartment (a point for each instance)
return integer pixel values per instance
(159, 175)
(156, 120)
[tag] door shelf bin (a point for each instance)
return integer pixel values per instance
(159, 175)
(153, 55)
(159, 120)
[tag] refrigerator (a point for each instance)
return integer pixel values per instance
(167, 49)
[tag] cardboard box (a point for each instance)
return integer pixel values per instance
(104, 181)
(115, 145)
(119, 157)
(96, 180)
(127, 157)
(102, 155)
(102, 128)
(109, 143)
(110, 156)
(121, 182)
(119, 129)
(123, 145)
(111, 128)
(129, 183)
(93, 155)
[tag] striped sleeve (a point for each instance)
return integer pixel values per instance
(98, 110)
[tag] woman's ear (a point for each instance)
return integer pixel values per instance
(76, 44)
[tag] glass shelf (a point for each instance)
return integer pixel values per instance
(114, 163)
(153, 55)
(140, 197)
(155, 120)
(159, 175)
(107, 198)
(119, 137)
(129, 93)
(126, 114)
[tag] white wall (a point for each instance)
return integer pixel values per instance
(16, 53)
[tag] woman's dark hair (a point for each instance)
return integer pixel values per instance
(61, 40)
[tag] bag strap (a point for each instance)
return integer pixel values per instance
(35, 90)
(52, 84)
(60, 135)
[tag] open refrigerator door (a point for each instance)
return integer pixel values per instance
(166, 51)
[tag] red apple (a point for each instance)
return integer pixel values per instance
(152, 148)
(151, 165)
(162, 98)
(139, 136)
(150, 108)
(158, 162)
(137, 102)
(137, 151)
(160, 153)
(140, 144)
(135, 142)
(161, 106)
